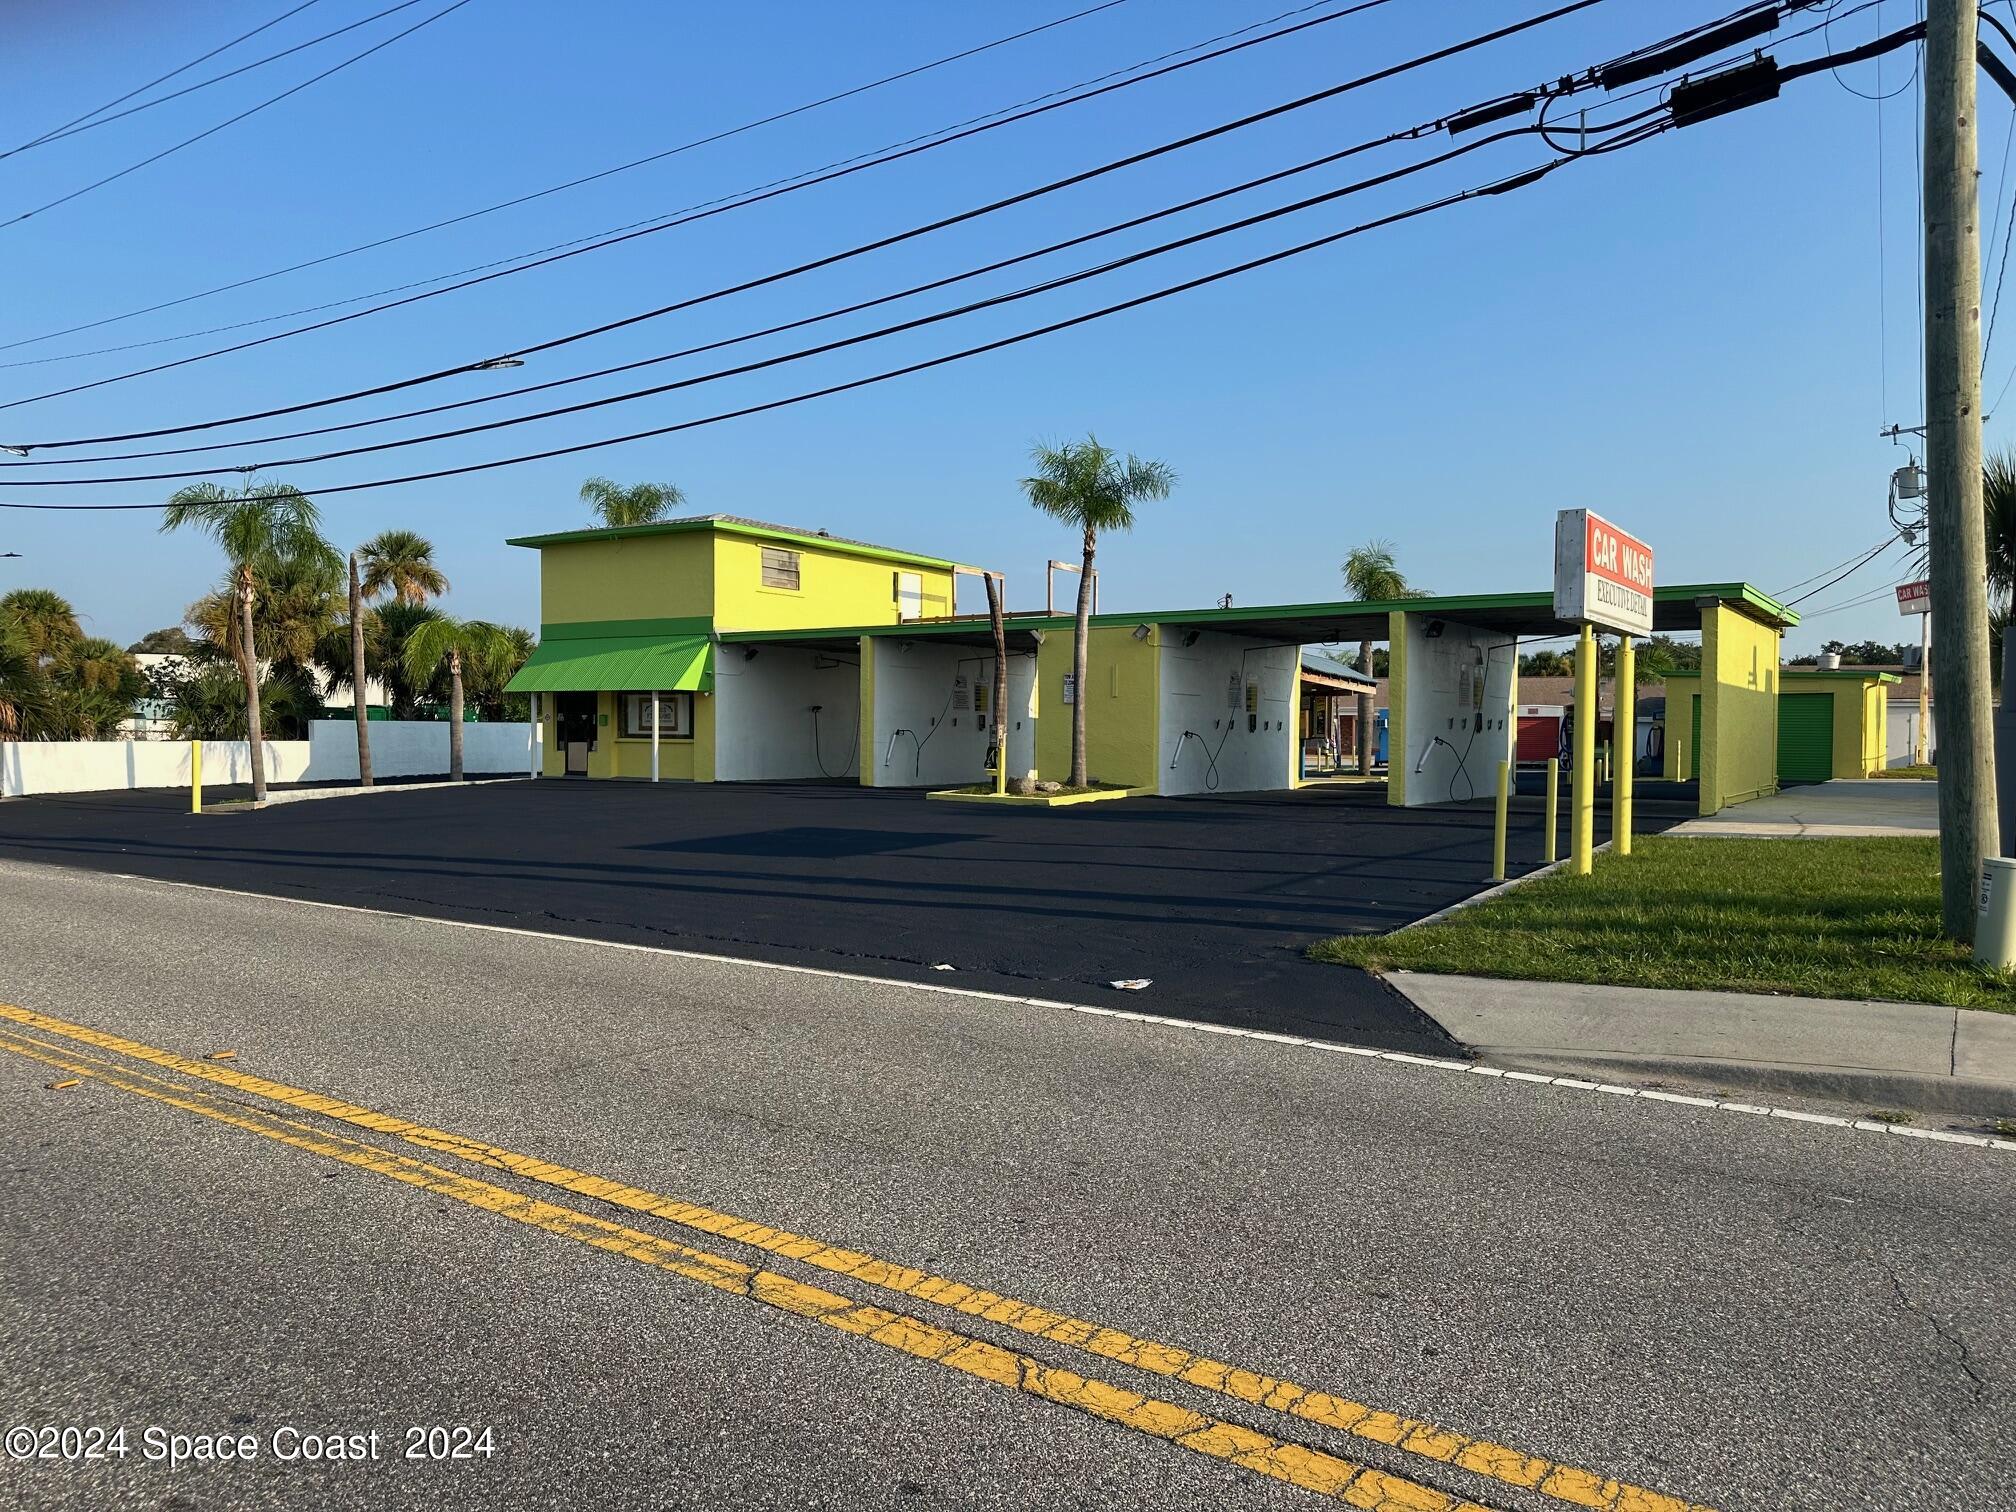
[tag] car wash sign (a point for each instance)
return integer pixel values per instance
(1601, 575)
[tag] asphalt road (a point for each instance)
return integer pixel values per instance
(1213, 899)
(1731, 1312)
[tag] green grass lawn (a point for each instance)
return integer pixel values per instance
(1921, 773)
(1820, 918)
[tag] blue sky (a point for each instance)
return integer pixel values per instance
(1685, 335)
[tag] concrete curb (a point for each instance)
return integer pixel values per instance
(309, 795)
(1546, 870)
(1969, 1096)
(1914, 1056)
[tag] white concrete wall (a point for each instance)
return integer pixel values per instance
(31, 767)
(1440, 688)
(1203, 690)
(928, 690)
(763, 723)
(407, 748)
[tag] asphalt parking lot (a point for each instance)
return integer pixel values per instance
(1213, 899)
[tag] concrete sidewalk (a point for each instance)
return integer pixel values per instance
(1905, 1055)
(1849, 806)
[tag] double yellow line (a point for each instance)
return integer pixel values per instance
(1355, 1484)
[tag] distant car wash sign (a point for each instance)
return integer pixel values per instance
(1601, 575)
(1915, 598)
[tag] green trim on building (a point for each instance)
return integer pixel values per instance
(1538, 608)
(618, 663)
(733, 527)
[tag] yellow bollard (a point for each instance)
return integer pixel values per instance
(1624, 718)
(1552, 847)
(1582, 805)
(195, 776)
(1498, 824)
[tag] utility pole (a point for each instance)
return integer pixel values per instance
(1968, 828)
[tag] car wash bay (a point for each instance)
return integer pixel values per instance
(1213, 898)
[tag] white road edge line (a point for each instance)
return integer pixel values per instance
(1466, 1068)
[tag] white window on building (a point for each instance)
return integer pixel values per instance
(780, 568)
(675, 716)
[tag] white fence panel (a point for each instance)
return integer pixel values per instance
(403, 748)
(413, 748)
(97, 766)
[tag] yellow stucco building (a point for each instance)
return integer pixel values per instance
(722, 649)
(630, 625)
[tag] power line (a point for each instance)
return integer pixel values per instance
(1500, 186)
(860, 338)
(718, 136)
(172, 73)
(1780, 593)
(1363, 80)
(1860, 563)
(110, 178)
(1871, 597)
(928, 286)
(76, 128)
(787, 188)
(1505, 185)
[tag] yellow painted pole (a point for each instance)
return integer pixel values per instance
(1624, 727)
(195, 776)
(1553, 846)
(1000, 706)
(1498, 823)
(1582, 806)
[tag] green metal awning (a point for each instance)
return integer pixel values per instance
(618, 663)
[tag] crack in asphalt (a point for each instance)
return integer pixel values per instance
(1977, 1388)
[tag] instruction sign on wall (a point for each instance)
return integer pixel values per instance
(1601, 575)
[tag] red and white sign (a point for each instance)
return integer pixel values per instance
(1915, 598)
(1601, 575)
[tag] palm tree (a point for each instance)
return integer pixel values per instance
(21, 687)
(209, 704)
(45, 621)
(476, 646)
(401, 562)
(484, 685)
(637, 504)
(94, 689)
(1371, 576)
(1092, 488)
(260, 526)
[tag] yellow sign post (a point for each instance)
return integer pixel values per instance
(1498, 824)
(1624, 740)
(1552, 848)
(1582, 801)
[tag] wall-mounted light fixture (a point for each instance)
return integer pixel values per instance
(1141, 632)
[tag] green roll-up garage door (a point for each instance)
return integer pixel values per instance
(1805, 737)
